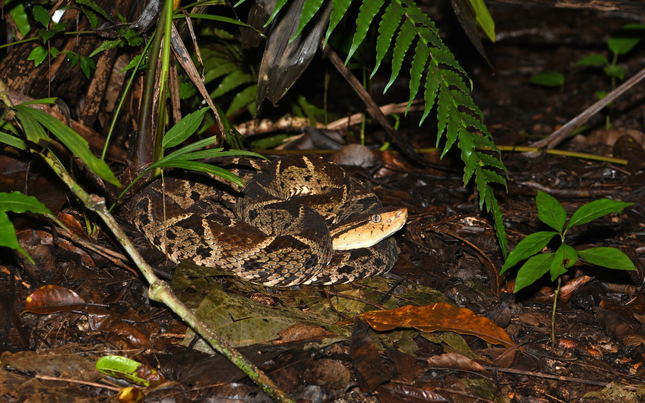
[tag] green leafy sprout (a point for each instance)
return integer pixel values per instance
(618, 44)
(539, 263)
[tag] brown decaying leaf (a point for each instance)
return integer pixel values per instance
(570, 286)
(438, 317)
(52, 298)
(456, 361)
(371, 369)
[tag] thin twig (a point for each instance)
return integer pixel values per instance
(78, 381)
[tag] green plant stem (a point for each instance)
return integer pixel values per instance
(555, 304)
(166, 22)
(160, 290)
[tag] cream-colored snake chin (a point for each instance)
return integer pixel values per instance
(298, 220)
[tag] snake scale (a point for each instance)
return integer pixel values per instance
(298, 220)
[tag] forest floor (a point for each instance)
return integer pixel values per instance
(464, 336)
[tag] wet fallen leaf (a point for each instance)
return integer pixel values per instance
(53, 298)
(302, 331)
(371, 369)
(435, 317)
(456, 361)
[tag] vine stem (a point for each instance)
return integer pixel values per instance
(159, 290)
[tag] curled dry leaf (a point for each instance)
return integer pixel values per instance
(53, 298)
(438, 317)
(456, 361)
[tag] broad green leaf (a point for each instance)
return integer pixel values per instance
(621, 45)
(594, 60)
(183, 129)
(533, 270)
(12, 140)
(40, 15)
(20, 18)
(121, 367)
(614, 70)
(548, 79)
(87, 66)
(417, 68)
(483, 18)
(390, 21)
(17, 202)
(401, 46)
(595, 209)
(72, 140)
(611, 258)
(527, 247)
(366, 14)
(232, 81)
(309, 9)
(37, 55)
(338, 10)
(564, 257)
(8, 237)
(32, 129)
(550, 211)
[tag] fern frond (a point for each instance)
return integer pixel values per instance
(278, 6)
(309, 9)
(435, 72)
(403, 41)
(366, 14)
(419, 62)
(390, 21)
(338, 10)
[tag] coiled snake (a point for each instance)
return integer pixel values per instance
(299, 220)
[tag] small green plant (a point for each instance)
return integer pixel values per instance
(538, 262)
(618, 44)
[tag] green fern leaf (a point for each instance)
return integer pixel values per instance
(338, 10)
(494, 162)
(390, 21)
(278, 6)
(366, 14)
(309, 9)
(443, 111)
(418, 66)
(430, 93)
(403, 41)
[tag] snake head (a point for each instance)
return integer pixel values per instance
(369, 231)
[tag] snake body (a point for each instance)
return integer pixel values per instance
(298, 220)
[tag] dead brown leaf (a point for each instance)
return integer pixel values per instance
(53, 298)
(438, 317)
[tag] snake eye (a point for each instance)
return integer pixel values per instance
(376, 218)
